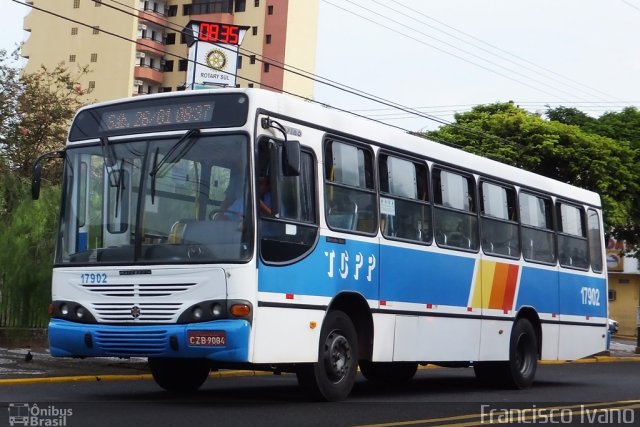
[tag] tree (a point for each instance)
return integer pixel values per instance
(561, 151)
(38, 109)
(570, 116)
(622, 126)
(35, 112)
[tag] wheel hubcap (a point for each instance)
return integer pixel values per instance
(337, 356)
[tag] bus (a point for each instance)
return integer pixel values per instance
(246, 229)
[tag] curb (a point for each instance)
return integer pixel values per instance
(227, 374)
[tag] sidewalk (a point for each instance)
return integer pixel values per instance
(15, 363)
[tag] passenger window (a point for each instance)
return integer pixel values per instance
(288, 228)
(350, 197)
(572, 237)
(499, 221)
(538, 238)
(405, 212)
(595, 241)
(456, 223)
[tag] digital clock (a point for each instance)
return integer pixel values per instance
(212, 32)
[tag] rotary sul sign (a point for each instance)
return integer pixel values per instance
(213, 53)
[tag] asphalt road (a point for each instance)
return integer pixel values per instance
(577, 392)
(41, 367)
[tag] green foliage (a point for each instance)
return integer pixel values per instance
(26, 255)
(622, 126)
(561, 151)
(35, 112)
(39, 107)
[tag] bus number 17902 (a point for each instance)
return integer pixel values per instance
(590, 296)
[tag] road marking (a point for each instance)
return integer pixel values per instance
(590, 409)
(130, 377)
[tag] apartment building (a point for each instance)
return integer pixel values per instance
(136, 47)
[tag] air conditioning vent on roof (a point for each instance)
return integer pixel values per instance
(140, 55)
(137, 82)
(142, 27)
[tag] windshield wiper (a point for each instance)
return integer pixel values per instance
(153, 177)
(172, 155)
(108, 153)
(120, 186)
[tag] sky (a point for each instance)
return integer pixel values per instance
(445, 56)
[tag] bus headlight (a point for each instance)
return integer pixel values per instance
(72, 311)
(216, 309)
(197, 313)
(80, 312)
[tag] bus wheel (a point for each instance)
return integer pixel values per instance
(332, 377)
(520, 370)
(179, 375)
(390, 373)
(523, 355)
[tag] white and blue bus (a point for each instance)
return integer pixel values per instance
(239, 228)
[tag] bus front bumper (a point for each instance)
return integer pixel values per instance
(219, 340)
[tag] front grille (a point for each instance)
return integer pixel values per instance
(144, 290)
(146, 343)
(130, 312)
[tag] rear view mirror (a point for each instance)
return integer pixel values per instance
(36, 173)
(291, 158)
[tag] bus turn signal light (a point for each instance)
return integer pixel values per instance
(240, 310)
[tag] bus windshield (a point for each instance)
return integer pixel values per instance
(164, 200)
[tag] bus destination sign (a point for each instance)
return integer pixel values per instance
(159, 114)
(148, 116)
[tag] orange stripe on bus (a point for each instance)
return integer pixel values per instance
(498, 286)
(510, 291)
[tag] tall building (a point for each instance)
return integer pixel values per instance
(135, 47)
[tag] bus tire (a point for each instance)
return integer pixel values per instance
(332, 377)
(388, 372)
(520, 370)
(179, 375)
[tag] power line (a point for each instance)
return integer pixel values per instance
(630, 4)
(520, 58)
(351, 91)
(304, 74)
(454, 47)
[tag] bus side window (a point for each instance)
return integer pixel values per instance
(350, 197)
(499, 221)
(538, 238)
(456, 223)
(572, 236)
(595, 241)
(405, 212)
(291, 232)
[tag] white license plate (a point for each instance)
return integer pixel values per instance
(207, 338)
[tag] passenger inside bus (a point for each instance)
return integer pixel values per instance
(264, 193)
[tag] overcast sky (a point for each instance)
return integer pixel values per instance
(448, 55)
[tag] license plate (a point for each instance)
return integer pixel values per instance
(207, 338)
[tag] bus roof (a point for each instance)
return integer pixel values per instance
(380, 134)
(342, 123)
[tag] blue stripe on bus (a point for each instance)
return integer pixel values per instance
(583, 295)
(329, 269)
(425, 277)
(539, 289)
(408, 275)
